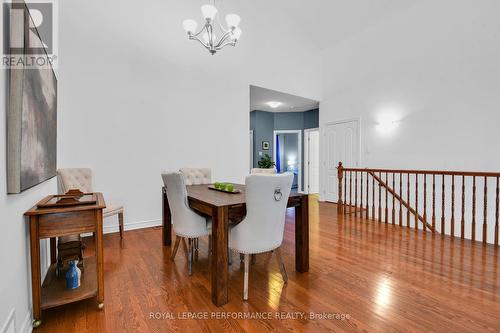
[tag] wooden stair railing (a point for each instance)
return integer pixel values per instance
(372, 207)
(401, 200)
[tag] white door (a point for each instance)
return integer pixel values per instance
(313, 161)
(341, 144)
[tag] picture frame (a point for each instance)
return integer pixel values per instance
(265, 145)
(31, 113)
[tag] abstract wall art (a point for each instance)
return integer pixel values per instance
(31, 116)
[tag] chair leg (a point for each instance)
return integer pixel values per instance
(254, 259)
(176, 247)
(196, 244)
(242, 257)
(120, 224)
(190, 256)
(229, 257)
(245, 277)
(184, 246)
(281, 264)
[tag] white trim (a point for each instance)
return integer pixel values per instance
(299, 158)
(108, 229)
(252, 148)
(132, 226)
(27, 326)
(307, 132)
(10, 322)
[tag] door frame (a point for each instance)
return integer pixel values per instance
(323, 152)
(307, 132)
(251, 149)
(299, 158)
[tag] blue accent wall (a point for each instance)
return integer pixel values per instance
(263, 126)
(288, 120)
(311, 119)
(264, 123)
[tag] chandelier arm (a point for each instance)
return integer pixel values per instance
(233, 43)
(222, 28)
(195, 37)
(223, 39)
(198, 33)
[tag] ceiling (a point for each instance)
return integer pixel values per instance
(290, 103)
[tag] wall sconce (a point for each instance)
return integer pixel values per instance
(387, 125)
(388, 122)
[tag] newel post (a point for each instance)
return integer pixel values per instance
(340, 174)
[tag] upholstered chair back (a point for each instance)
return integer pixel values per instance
(186, 222)
(74, 178)
(263, 171)
(266, 201)
(197, 176)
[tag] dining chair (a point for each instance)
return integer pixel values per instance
(81, 179)
(263, 227)
(262, 171)
(187, 224)
(197, 176)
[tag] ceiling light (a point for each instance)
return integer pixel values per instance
(232, 20)
(208, 12)
(274, 104)
(230, 35)
(190, 26)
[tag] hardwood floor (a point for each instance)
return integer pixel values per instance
(382, 277)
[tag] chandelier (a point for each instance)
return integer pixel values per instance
(208, 36)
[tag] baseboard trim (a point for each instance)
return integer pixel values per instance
(27, 326)
(107, 229)
(10, 322)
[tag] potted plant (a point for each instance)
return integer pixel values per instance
(266, 162)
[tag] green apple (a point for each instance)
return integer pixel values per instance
(222, 186)
(229, 187)
(217, 185)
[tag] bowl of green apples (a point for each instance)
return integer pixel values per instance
(224, 187)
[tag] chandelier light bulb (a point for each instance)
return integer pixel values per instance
(190, 26)
(236, 34)
(208, 12)
(232, 20)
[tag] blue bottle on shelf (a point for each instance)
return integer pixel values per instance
(73, 276)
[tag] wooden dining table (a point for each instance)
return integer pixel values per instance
(223, 208)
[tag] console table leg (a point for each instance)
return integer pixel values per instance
(35, 271)
(100, 261)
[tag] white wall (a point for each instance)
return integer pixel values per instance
(436, 68)
(136, 97)
(15, 278)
